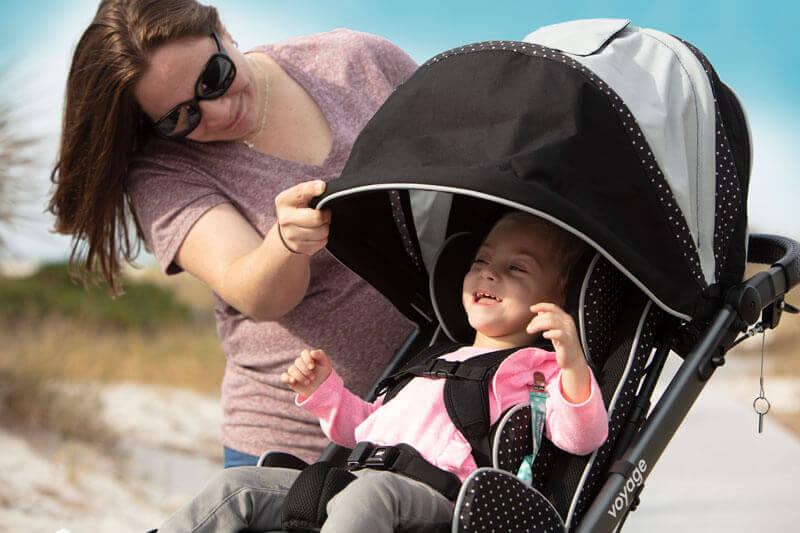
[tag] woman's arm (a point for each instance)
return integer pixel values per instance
(262, 278)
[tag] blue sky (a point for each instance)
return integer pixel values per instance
(751, 44)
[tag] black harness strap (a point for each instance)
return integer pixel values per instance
(404, 459)
(392, 384)
(466, 390)
(467, 402)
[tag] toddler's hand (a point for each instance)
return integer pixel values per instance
(558, 327)
(307, 372)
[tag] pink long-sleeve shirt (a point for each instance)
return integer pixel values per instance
(417, 415)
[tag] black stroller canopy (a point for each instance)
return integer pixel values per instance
(624, 136)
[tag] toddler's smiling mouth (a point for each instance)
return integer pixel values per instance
(482, 295)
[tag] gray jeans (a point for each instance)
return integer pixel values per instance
(250, 498)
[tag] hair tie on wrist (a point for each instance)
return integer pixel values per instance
(280, 234)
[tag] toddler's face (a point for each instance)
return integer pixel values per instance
(513, 269)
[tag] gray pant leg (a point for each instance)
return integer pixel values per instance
(380, 501)
(235, 499)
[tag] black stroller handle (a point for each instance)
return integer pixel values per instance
(777, 251)
(765, 287)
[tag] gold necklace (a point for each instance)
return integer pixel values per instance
(250, 144)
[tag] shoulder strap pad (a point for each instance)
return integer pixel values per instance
(467, 403)
(466, 390)
(467, 400)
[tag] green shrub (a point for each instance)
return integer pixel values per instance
(50, 291)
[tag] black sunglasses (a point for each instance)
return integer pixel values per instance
(213, 81)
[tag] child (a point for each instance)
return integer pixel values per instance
(512, 294)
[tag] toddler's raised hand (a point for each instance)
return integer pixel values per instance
(557, 326)
(307, 372)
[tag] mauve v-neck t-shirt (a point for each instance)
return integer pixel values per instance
(173, 183)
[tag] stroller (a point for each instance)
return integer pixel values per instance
(624, 137)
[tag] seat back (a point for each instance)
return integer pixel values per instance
(618, 326)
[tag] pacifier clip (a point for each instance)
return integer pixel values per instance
(538, 399)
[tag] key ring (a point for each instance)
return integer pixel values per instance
(759, 407)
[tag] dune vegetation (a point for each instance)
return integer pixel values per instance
(57, 335)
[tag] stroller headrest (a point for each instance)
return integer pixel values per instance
(446, 280)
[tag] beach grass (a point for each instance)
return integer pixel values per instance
(56, 333)
(58, 338)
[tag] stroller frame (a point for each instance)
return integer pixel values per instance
(761, 295)
(497, 152)
(649, 431)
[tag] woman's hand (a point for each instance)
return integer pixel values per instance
(307, 372)
(302, 229)
(263, 276)
(557, 326)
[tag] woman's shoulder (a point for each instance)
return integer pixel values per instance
(342, 45)
(170, 164)
(378, 48)
(175, 156)
(340, 37)
(360, 39)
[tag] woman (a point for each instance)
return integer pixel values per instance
(168, 121)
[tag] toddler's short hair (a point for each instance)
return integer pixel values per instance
(567, 248)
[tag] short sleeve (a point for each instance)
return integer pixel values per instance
(167, 203)
(392, 60)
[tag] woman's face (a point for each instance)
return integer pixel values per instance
(171, 77)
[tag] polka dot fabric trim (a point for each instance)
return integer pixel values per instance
(728, 197)
(619, 413)
(493, 500)
(602, 303)
(512, 441)
(543, 465)
(402, 228)
(660, 186)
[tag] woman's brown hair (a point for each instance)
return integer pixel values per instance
(103, 126)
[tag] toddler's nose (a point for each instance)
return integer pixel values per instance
(487, 272)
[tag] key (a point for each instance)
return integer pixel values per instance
(761, 406)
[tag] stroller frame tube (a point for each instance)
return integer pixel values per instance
(743, 305)
(620, 490)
